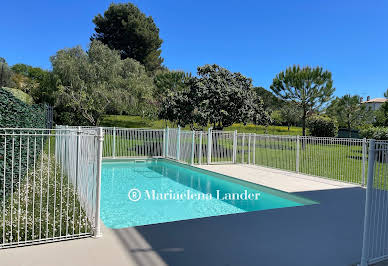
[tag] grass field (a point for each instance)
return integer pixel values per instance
(139, 122)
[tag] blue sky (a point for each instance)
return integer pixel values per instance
(256, 38)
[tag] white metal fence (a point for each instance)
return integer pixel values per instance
(335, 158)
(49, 185)
(375, 238)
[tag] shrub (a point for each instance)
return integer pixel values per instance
(15, 113)
(13, 148)
(322, 126)
(377, 133)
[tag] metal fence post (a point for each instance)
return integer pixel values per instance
(242, 151)
(192, 147)
(100, 139)
(249, 148)
(209, 145)
(200, 148)
(167, 140)
(368, 201)
(178, 143)
(114, 143)
(79, 131)
(234, 146)
(254, 148)
(297, 154)
(363, 161)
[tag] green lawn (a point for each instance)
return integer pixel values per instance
(139, 122)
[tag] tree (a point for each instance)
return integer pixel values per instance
(270, 101)
(307, 87)
(290, 114)
(5, 74)
(218, 97)
(349, 112)
(97, 81)
(170, 81)
(125, 28)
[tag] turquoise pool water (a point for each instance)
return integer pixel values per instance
(165, 191)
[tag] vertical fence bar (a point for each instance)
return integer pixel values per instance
(249, 148)
(100, 139)
(209, 145)
(297, 154)
(192, 147)
(363, 161)
(167, 141)
(234, 146)
(254, 149)
(178, 144)
(368, 201)
(114, 143)
(164, 143)
(200, 148)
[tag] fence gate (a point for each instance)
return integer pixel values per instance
(49, 185)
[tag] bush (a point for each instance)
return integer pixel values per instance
(322, 126)
(377, 133)
(15, 113)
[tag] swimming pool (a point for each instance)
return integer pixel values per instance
(156, 191)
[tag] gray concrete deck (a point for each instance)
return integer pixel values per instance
(328, 233)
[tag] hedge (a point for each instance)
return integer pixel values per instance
(14, 113)
(322, 126)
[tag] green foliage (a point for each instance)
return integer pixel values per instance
(35, 81)
(322, 126)
(128, 121)
(5, 74)
(14, 113)
(307, 87)
(125, 28)
(169, 82)
(21, 205)
(218, 97)
(381, 119)
(349, 113)
(277, 118)
(290, 114)
(24, 97)
(377, 133)
(93, 83)
(270, 101)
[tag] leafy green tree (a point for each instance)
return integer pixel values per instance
(349, 112)
(307, 87)
(30, 79)
(5, 74)
(170, 81)
(270, 101)
(218, 97)
(290, 114)
(92, 83)
(125, 28)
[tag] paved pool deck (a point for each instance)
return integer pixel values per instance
(328, 233)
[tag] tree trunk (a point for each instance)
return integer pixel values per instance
(304, 121)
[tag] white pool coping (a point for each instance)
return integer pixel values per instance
(275, 178)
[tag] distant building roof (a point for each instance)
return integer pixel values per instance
(376, 100)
